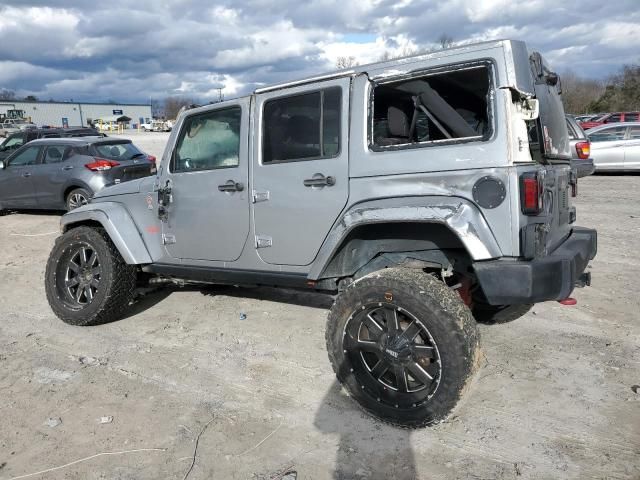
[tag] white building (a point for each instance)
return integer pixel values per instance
(75, 114)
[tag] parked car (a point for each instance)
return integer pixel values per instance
(580, 148)
(64, 173)
(616, 146)
(8, 129)
(611, 118)
(146, 126)
(16, 140)
(396, 186)
(20, 124)
(586, 118)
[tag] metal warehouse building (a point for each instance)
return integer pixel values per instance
(72, 114)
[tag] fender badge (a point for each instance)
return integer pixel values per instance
(149, 202)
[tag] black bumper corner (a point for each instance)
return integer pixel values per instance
(584, 168)
(511, 282)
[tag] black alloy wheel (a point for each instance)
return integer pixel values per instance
(78, 276)
(391, 351)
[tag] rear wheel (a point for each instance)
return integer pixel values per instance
(77, 198)
(87, 282)
(403, 344)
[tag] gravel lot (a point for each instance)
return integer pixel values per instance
(553, 398)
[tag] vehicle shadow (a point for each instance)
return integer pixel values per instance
(280, 295)
(147, 301)
(50, 213)
(367, 448)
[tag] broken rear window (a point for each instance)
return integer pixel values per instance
(450, 106)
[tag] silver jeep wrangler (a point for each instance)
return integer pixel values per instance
(426, 193)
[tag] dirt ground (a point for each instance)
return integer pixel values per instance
(553, 397)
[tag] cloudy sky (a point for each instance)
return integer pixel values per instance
(129, 50)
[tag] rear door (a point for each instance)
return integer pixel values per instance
(208, 217)
(553, 138)
(51, 174)
(607, 147)
(632, 149)
(16, 184)
(300, 169)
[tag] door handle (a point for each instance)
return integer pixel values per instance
(231, 186)
(26, 174)
(319, 180)
(67, 167)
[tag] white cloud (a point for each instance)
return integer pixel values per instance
(132, 50)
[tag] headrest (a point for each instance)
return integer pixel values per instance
(398, 122)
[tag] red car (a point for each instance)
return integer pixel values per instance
(612, 118)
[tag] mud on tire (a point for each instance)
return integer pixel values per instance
(403, 345)
(87, 282)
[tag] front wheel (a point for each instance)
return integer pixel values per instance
(87, 282)
(404, 346)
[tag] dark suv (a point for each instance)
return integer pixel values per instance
(64, 173)
(16, 140)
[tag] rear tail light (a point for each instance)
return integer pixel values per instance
(101, 164)
(151, 158)
(583, 149)
(531, 193)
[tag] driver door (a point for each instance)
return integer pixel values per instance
(208, 216)
(16, 185)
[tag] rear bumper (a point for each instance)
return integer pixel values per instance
(583, 167)
(511, 282)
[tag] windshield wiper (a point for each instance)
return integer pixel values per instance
(137, 155)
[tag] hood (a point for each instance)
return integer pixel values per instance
(124, 188)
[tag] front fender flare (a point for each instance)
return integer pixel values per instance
(120, 227)
(461, 216)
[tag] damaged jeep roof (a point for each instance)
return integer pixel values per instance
(517, 74)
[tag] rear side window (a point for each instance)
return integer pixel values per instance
(209, 141)
(57, 153)
(117, 151)
(302, 127)
(608, 134)
(434, 107)
(630, 117)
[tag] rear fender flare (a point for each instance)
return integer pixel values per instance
(119, 225)
(461, 216)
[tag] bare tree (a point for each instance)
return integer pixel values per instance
(578, 94)
(7, 94)
(445, 41)
(346, 62)
(406, 51)
(172, 105)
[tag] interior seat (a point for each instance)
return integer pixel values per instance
(398, 127)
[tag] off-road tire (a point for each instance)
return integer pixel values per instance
(83, 192)
(116, 285)
(449, 323)
(493, 315)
